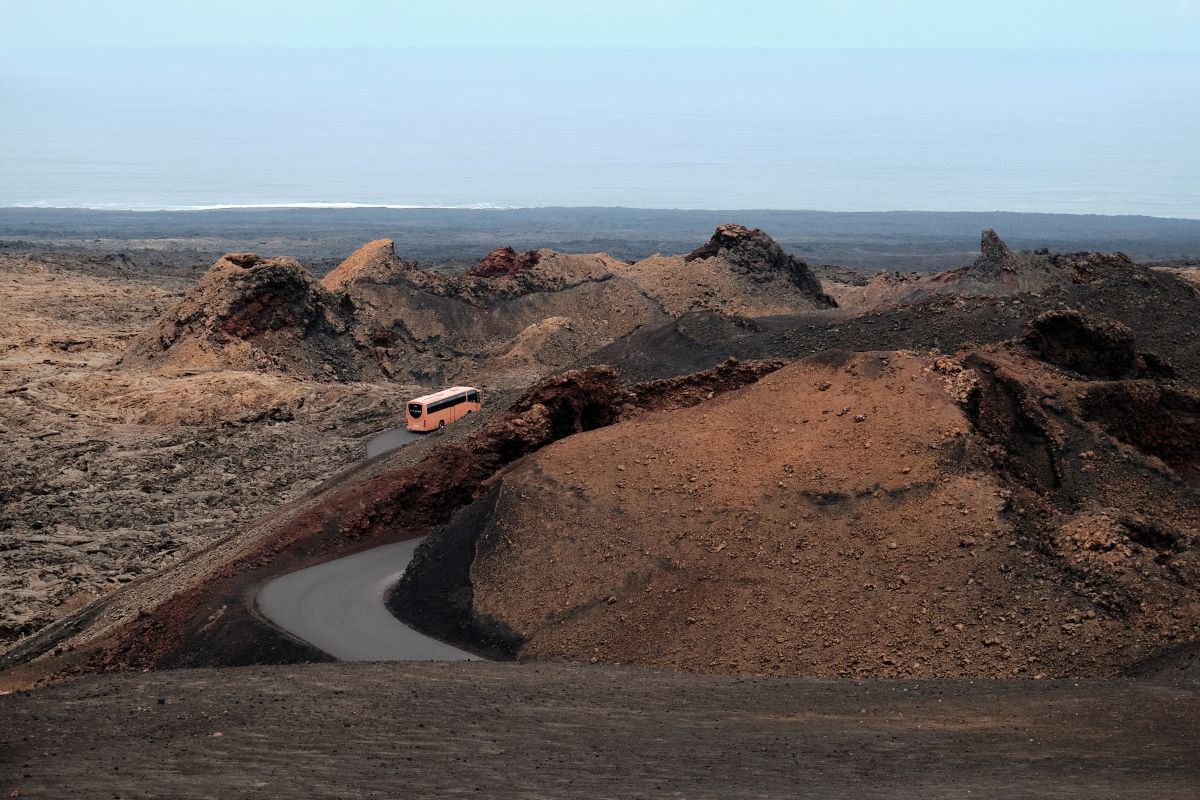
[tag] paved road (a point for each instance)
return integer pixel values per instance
(389, 440)
(338, 607)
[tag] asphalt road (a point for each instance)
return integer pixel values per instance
(338, 607)
(389, 440)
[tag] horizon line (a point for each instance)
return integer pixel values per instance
(355, 206)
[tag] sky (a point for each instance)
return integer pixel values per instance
(1064, 106)
(1066, 24)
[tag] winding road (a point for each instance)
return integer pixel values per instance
(339, 607)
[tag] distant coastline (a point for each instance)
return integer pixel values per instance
(321, 234)
(355, 206)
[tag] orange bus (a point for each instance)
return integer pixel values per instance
(435, 411)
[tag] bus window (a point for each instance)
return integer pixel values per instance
(472, 397)
(414, 410)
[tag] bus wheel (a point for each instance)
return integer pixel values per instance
(442, 426)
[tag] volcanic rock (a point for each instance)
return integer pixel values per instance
(376, 261)
(511, 319)
(758, 255)
(504, 262)
(253, 313)
(1094, 348)
(997, 271)
(739, 271)
(994, 254)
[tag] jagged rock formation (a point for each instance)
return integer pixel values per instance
(738, 271)
(998, 271)
(253, 313)
(760, 257)
(994, 255)
(504, 262)
(510, 319)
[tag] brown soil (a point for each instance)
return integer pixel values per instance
(1161, 422)
(1093, 348)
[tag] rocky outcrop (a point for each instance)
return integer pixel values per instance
(251, 312)
(999, 270)
(994, 255)
(375, 261)
(504, 262)
(1034, 270)
(739, 271)
(759, 256)
(1100, 349)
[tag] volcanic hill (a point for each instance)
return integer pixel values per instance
(512, 318)
(885, 514)
(990, 300)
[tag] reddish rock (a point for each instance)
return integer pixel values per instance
(504, 262)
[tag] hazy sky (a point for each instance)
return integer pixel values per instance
(1057, 105)
(1102, 24)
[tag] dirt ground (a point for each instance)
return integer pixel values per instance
(559, 731)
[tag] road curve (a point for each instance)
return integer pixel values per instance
(338, 607)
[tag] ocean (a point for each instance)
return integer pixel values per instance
(837, 130)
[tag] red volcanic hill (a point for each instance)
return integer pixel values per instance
(887, 514)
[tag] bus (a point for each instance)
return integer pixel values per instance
(433, 412)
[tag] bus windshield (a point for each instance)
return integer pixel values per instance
(414, 410)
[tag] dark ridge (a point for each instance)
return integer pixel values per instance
(1002, 410)
(1158, 421)
(1094, 348)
